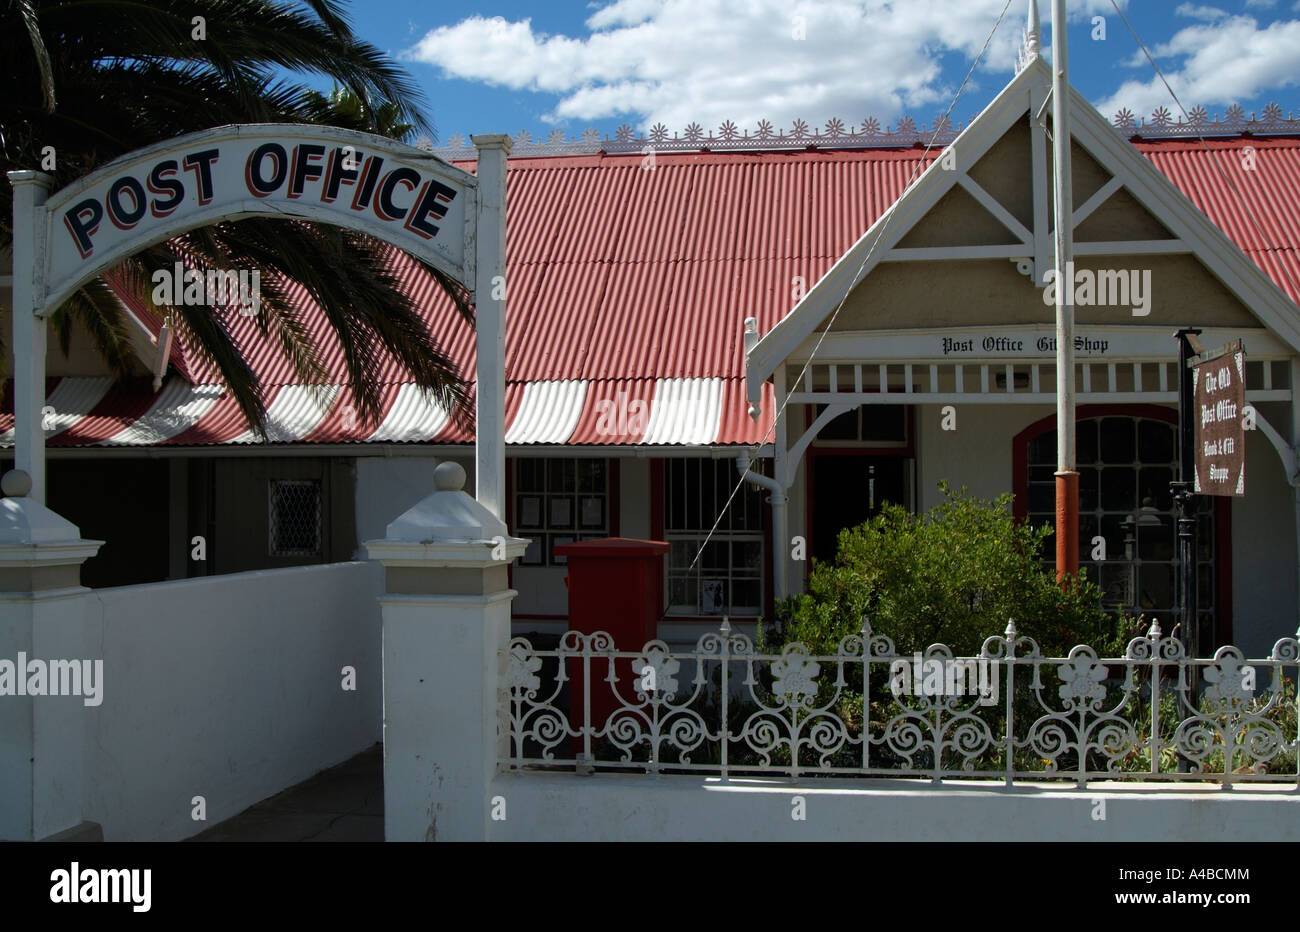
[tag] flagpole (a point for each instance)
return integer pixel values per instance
(1067, 477)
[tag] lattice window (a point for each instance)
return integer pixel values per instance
(1125, 466)
(294, 518)
(728, 578)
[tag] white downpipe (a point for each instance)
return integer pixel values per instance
(778, 499)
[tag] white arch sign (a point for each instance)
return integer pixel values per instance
(405, 196)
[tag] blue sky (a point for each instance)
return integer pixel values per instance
(506, 66)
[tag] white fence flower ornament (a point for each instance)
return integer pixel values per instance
(1227, 679)
(794, 674)
(1081, 679)
(656, 672)
(521, 670)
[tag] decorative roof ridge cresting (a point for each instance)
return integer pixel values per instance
(869, 133)
(834, 134)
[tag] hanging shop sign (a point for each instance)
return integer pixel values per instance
(1219, 391)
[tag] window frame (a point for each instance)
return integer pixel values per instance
(760, 535)
(859, 411)
(546, 535)
(1221, 509)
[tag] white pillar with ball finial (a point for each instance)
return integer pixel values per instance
(446, 624)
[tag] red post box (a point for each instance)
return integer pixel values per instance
(615, 585)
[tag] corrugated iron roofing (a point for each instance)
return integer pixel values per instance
(627, 278)
(548, 412)
(177, 408)
(115, 410)
(411, 417)
(1253, 196)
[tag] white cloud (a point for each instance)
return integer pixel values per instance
(1207, 13)
(679, 61)
(1233, 59)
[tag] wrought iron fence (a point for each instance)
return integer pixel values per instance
(1007, 714)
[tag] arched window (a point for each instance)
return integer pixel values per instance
(1128, 541)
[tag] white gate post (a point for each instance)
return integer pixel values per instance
(446, 622)
(30, 190)
(490, 324)
(42, 619)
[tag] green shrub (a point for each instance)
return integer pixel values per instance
(955, 576)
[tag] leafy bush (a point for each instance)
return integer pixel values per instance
(954, 575)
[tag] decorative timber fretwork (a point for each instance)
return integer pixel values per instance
(871, 133)
(944, 381)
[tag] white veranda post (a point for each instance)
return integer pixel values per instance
(490, 324)
(30, 191)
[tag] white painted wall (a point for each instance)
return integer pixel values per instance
(41, 773)
(607, 807)
(228, 687)
(977, 454)
(1263, 551)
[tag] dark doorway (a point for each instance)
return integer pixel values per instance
(848, 490)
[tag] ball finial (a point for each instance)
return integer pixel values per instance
(16, 484)
(449, 477)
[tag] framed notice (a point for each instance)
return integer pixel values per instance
(593, 511)
(1219, 415)
(561, 511)
(530, 511)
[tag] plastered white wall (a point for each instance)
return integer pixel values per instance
(977, 454)
(609, 807)
(226, 687)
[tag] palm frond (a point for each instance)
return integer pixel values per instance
(98, 309)
(27, 12)
(130, 74)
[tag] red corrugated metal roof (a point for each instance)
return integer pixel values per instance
(1229, 185)
(624, 276)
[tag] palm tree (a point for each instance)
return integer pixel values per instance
(345, 109)
(98, 80)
